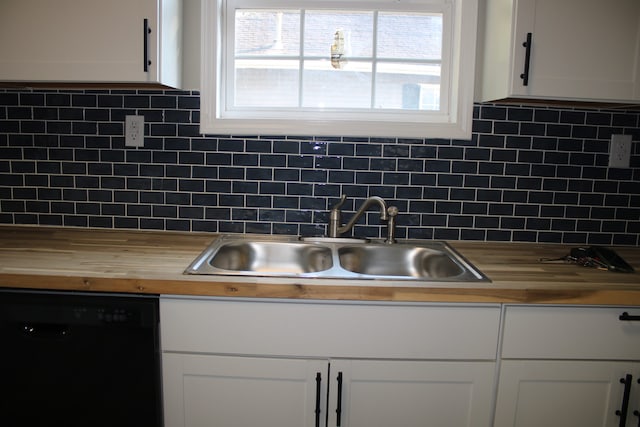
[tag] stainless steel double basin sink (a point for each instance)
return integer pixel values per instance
(333, 258)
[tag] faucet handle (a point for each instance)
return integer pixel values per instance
(392, 212)
(338, 205)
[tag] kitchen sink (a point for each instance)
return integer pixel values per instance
(333, 258)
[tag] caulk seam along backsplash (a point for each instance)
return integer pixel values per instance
(536, 174)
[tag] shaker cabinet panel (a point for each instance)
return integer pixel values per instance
(534, 393)
(222, 391)
(578, 50)
(78, 41)
(410, 393)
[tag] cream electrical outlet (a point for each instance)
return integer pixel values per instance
(134, 131)
(620, 151)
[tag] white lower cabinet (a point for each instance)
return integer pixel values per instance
(245, 363)
(569, 367)
(282, 364)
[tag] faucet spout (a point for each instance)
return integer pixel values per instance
(335, 227)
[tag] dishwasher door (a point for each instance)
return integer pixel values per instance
(71, 359)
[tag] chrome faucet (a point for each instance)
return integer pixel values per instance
(336, 228)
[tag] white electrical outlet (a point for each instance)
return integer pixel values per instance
(134, 131)
(620, 151)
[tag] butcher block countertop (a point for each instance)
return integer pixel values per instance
(153, 262)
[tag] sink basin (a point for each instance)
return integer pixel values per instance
(335, 258)
(272, 257)
(399, 260)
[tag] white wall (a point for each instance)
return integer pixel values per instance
(191, 45)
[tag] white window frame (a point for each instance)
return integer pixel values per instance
(454, 121)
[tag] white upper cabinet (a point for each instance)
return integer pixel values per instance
(586, 50)
(91, 41)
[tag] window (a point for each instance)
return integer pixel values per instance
(352, 67)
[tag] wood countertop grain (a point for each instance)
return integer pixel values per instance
(153, 262)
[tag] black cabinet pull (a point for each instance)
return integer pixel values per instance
(629, 317)
(527, 59)
(636, 412)
(339, 408)
(145, 42)
(622, 412)
(318, 383)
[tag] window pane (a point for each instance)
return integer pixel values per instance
(321, 26)
(266, 83)
(408, 86)
(267, 37)
(327, 87)
(410, 36)
(338, 66)
(267, 33)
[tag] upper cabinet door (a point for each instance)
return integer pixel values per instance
(90, 41)
(578, 50)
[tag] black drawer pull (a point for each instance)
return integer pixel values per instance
(145, 42)
(622, 412)
(629, 317)
(339, 408)
(318, 382)
(636, 412)
(527, 60)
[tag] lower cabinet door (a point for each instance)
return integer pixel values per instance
(534, 393)
(229, 391)
(410, 393)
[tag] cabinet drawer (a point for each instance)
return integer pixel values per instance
(317, 329)
(543, 332)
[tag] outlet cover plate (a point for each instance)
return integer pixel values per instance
(620, 151)
(134, 131)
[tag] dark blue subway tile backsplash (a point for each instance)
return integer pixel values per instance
(529, 173)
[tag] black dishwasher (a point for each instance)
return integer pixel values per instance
(79, 359)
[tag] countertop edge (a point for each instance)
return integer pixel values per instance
(575, 296)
